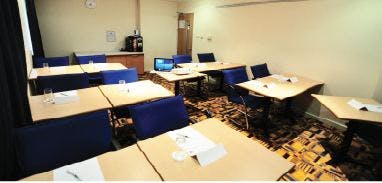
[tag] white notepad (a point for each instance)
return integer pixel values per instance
(367, 107)
(66, 97)
(196, 144)
(88, 170)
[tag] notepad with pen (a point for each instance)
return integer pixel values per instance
(197, 145)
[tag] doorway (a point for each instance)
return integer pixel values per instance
(185, 33)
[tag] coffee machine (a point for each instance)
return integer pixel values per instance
(134, 43)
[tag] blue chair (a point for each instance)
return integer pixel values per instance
(154, 118)
(206, 57)
(52, 61)
(59, 83)
(260, 71)
(94, 58)
(240, 95)
(54, 143)
(209, 57)
(94, 78)
(181, 59)
(113, 77)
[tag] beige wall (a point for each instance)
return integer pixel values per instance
(159, 29)
(68, 26)
(334, 41)
(378, 90)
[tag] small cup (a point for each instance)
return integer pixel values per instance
(122, 82)
(45, 65)
(48, 96)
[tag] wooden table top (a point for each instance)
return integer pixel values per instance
(246, 158)
(51, 71)
(171, 77)
(140, 91)
(125, 164)
(283, 89)
(98, 67)
(210, 66)
(341, 109)
(91, 99)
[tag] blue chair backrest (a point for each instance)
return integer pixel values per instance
(52, 61)
(55, 143)
(260, 71)
(181, 59)
(94, 58)
(154, 118)
(113, 77)
(59, 83)
(206, 57)
(233, 77)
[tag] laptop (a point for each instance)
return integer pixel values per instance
(163, 64)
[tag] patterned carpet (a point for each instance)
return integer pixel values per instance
(298, 141)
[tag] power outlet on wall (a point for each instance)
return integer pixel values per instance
(110, 36)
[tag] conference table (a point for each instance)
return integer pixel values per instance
(90, 100)
(275, 87)
(51, 71)
(211, 66)
(246, 159)
(342, 110)
(133, 93)
(171, 77)
(125, 164)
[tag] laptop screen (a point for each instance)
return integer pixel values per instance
(163, 64)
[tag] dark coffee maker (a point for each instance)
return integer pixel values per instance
(134, 43)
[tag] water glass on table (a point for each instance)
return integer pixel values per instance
(48, 96)
(45, 65)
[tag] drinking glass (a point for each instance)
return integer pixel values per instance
(48, 95)
(91, 62)
(45, 65)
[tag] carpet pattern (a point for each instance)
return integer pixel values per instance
(298, 141)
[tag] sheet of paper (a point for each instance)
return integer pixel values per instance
(271, 86)
(293, 79)
(88, 170)
(374, 108)
(33, 73)
(190, 140)
(207, 157)
(357, 105)
(66, 97)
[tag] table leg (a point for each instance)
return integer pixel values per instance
(177, 87)
(340, 154)
(265, 117)
(199, 88)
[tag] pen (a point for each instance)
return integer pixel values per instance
(74, 175)
(185, 136)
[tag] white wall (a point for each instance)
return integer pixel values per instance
(334, 41)
(378, 90)
(68, 26)
(159, 29)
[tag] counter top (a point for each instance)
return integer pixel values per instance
(107, 53)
